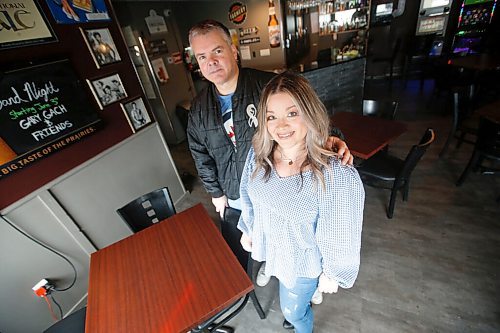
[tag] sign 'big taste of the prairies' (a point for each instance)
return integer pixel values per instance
(43, 109)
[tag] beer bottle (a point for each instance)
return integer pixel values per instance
(273, 26)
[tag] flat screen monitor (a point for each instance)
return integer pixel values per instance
(466, 45)
(428, 4)
(474, 2)
(431, 24)
(475, 16)
(383, 9)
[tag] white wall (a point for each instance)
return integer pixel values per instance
(75, 215)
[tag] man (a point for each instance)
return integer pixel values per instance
(104, 52)
(137, 116)
(223, 119)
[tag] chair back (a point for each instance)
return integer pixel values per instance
(232, 235)
(382, 109)
(396, 47)
(415, 154)
(488, 137)
(74, 323)
(148, 209)
(462, 104)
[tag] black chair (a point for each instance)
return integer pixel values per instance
(386, 171)
(232, 235)
(148, 209)
(487, 146)
(74, 323)
(464, 123)
(382, 109)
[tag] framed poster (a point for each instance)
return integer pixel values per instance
(107, 90)
(43, 109)
(78, 11)
(160, 70)
(23, 23)
(136, 113)
(101, 45)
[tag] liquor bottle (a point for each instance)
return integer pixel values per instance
(273, 26)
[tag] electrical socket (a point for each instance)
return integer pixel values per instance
(43, 288)
(40, 284)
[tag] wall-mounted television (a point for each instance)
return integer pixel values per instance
(467, 45)
(474, 2)
(431, 24)
(383, 9)
(429, 4)
(381, 14)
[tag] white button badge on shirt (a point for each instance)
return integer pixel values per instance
(252, 113)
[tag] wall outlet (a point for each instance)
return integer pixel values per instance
(43, 288)
(40, 284)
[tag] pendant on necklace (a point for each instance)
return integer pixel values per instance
(290, 162)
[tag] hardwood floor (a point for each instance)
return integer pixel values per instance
(434, 266)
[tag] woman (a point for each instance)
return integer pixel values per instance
(302, 211)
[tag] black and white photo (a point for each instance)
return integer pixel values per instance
(136, 113)
(108, 90)
(101, 46)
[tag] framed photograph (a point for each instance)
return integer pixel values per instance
(107, 90)
(23, 23)
(78, 11)
(101, 46)
(136, 113)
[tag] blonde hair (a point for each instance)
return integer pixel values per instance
(314, 115)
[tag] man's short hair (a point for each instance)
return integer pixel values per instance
(206, 26)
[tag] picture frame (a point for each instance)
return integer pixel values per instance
(78, 11)
(101, 46)
(107, 90)
(16, 32)
(42, 122)
(136, 113)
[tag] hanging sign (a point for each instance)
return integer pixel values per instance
(250, 40)
(156, 23)
(237, 13)
(248, 31)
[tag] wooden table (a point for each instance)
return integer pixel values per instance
(367, 135)
(167, 278)
(490, 111)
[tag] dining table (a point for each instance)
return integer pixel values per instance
(170, 277)
(366, 135)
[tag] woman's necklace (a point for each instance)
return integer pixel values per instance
(284, 158)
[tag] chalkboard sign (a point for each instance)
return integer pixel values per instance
(40, 108)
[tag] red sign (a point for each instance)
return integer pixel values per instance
(237, 13)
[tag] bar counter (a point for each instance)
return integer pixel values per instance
(339, 84)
